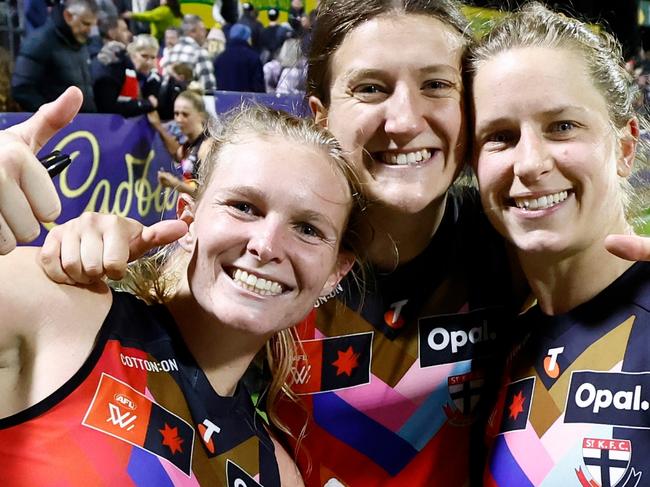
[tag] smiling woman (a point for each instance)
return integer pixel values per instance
(555, 140)
(156, 381)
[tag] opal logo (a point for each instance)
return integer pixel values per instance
(454, 338)
(612, 398)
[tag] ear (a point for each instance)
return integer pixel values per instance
(185, 212)
(628, 142)
(318, 110)
(67, 16)
(344, 263)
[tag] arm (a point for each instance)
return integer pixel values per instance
(155, 15)
(171, 144)
(107, 93)
(168, 180)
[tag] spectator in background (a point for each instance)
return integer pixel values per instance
(216, 42)
(239, 68)
(171, 37)
(249, 18)
(296, 14)
(272, 36)
(191, 117)
(55, 57)
(294, 69)
(174, 83)
(110, 29)
(6, 65)
(36, 14)
(189, 50)
(125, 81)
(166, 15)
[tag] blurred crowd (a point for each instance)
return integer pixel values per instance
(134, 57)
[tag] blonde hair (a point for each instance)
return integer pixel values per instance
(534, 25)
(142, 42)
(155, 279)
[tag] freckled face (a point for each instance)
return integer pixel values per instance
(274, 210)
(399, 108)
(546, 155)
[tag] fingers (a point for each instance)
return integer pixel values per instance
(158, 234)
(629, 247)
(92, 246)
(27, 194)
(49, 119)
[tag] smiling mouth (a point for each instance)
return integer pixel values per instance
(412, 158)
(256, 284)
(541, 202)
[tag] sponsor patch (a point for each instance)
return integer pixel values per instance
(610, 398)
(454, 338)
(122, 412)
(519, 397)
(333, 363)
(606, 463)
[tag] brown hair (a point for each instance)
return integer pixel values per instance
(336, 18)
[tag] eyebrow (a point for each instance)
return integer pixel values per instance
(552, 112)
(360, 73)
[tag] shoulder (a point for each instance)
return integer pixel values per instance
(30, 300)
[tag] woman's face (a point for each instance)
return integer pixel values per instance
(267, 233)
(144, 60)
(187, 117)
(398, 107)
(547, 158)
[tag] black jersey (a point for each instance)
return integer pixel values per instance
(139, 412)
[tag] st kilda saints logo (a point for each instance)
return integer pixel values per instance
(606, 463)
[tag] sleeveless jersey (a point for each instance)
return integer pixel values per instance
(391, 390)
(139, 412)
(574, 409)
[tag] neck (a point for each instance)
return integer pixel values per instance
(560, 283)
(397, 238)
(223, 353)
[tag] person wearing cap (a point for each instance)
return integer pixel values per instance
(238, 67)
(272, 36)
(249, 18)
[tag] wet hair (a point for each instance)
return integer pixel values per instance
(155, 279)
(142, 42)
(336, 18)
(534, 25)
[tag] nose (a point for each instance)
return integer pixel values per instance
(267, 240)
(532, 158)
(404, 113)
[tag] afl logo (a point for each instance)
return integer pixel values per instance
(125, 401)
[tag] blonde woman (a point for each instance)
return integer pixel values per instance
(101, 386)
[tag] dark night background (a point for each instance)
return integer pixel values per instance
(618, 16)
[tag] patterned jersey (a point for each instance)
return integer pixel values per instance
(139, 412)
(574, 409)
(392, 388)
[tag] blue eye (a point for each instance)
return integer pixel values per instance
(244, 207)
(308, 230)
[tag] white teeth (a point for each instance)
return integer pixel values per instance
(404, 158)
(256, 284)
(542, 202)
